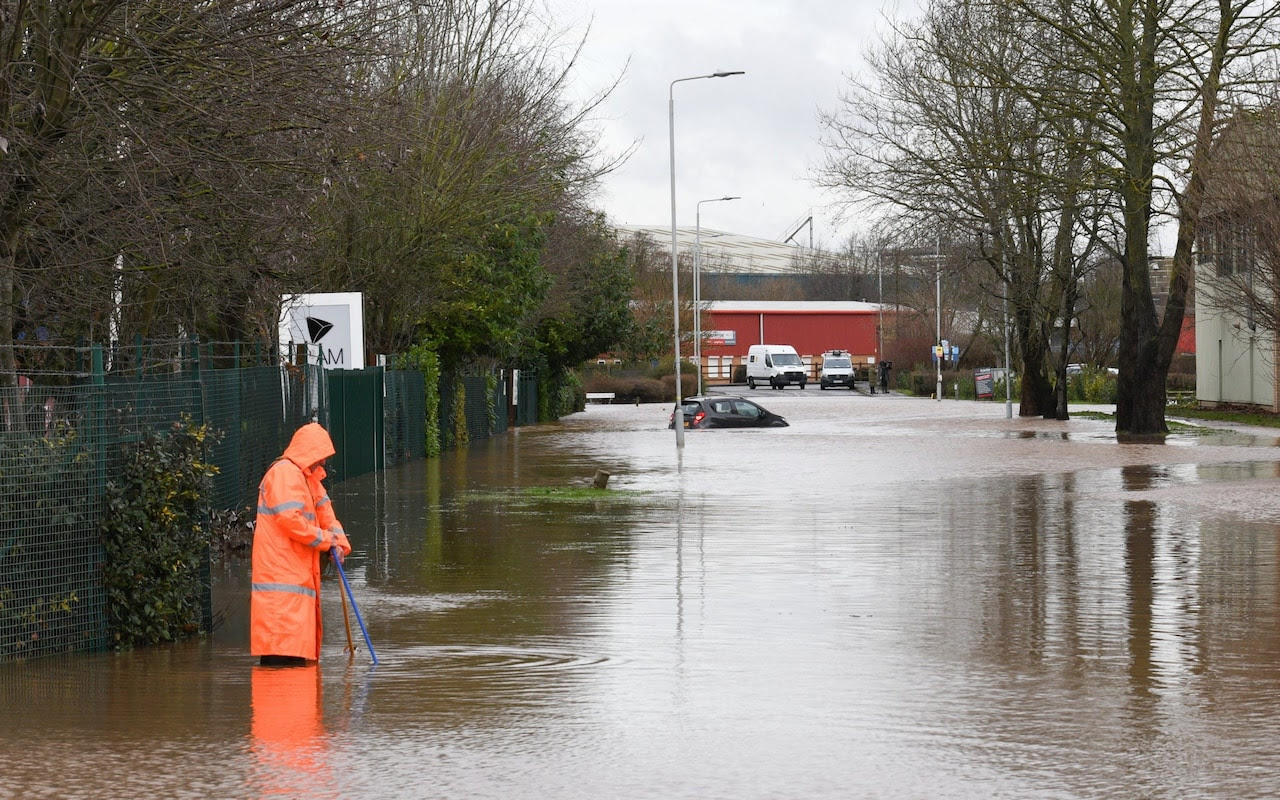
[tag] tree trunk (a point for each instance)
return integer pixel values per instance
(1140, 389)
(8, 367)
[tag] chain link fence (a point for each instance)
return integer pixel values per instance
(68, 422)
(64, 429)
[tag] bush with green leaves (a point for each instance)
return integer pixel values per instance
(43, 478)
(156, 537)
(423, 357)
(1091, 385)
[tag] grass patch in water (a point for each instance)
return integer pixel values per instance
(572, 493)
(1174, 425)
(566, 494)
(1092, 415)
(1227, 414)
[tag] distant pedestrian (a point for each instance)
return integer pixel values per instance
(295, 524)
(884, 367)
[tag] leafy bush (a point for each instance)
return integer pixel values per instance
(423, 357)
(155, 537)
(1091, 385)
(570, 395)
(43, 479)
(1015, 391)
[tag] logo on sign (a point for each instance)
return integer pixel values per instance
(317, 328)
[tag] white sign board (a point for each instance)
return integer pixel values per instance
(330, 324)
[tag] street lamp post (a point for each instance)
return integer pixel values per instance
(1008, 374)
(675, 271)
(697, 284)
(937, 266)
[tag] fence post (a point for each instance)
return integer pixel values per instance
(99, 416)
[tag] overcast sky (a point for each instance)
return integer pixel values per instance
(754, 135)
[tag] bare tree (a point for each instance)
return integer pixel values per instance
(1097, 335)
(951, 137)
(170, 168)
(157, 160)
(650, 266)
(466, 147)
(1157, 72)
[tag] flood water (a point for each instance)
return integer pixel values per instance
(892, 598)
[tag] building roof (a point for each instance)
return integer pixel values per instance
(793, 306)
(731, 253)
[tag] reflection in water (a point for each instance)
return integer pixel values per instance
(291, 757)
(1139, 552)
(890, 598)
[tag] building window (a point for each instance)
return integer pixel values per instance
(1228, 243)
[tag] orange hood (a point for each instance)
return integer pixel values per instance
(310, 445)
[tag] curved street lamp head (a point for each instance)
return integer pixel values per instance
(721, 74)
(717, 200)
(675, 272)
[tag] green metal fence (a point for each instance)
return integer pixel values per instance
(52, 473)
(404, 416)
(63, 434)
(356, 421)
(483, 409)
(526, 401)
(67, 425)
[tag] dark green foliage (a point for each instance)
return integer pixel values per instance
(422, 357)
(587, 310)
(1091, 385)
(37, 524)
(155, 538)
(559, 394)
(490, 289)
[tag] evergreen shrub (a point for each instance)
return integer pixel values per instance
(156, 537)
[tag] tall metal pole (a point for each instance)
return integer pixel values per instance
(697, 283)
(678, 414)
(678, 418)
(880, 309)
(937, 266)
(1008, 373)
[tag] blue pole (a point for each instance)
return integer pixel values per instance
(342, 574)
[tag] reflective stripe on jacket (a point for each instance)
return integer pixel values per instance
(295, 523)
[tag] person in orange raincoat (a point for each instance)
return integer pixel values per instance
(295, 524)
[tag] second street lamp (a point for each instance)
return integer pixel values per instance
(678, 417)
(697, 284)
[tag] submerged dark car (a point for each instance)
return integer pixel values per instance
(726, 411)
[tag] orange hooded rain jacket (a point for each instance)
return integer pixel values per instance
(295, 523)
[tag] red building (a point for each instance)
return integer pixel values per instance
(812, 328)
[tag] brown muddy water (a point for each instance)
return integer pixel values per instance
(892, 598)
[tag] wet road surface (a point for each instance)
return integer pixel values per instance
(893, 597)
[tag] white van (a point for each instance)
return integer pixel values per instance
(777, 364)
(837, 369)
